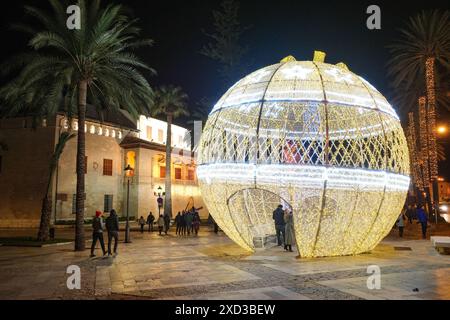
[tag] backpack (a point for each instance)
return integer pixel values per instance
(97, 225)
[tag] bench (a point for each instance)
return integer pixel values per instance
(441, 244)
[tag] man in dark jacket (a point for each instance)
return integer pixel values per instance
(166, 222)
(97, 233)
(150, 220)
(178, 223)
(278, 217)
(423, 220)
(410, 213)
(112, 225)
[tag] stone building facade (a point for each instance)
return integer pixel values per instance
(111, 144)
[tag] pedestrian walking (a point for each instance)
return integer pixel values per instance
(150, 220)
(196, 222)
(166, 222)
(410, 213)
(97, 233)
(423, 220)
(141, 222)
(401, 224)
(178, 223)
(189, 218)
(289, 230)
(112, 226)
(414, 212)
(183, 223)
(278, 217)
(160, 224)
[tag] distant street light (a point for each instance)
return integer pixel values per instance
(442, 129)
(128, 172)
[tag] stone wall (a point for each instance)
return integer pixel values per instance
(24, 174)
(25, 170)
(98, 148)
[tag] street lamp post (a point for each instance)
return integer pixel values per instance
(442, 133)
(159, 198)
(128, 171)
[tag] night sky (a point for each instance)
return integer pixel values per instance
(278, 28)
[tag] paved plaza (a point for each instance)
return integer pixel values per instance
(211, 266)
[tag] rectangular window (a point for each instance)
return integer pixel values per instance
(108, 203)
(107, 167)
(74, 203)
(178, 173)
(160, 135)
(191, 174)
(162, 172)
(149, 133)
(180, 140)
(85, 164)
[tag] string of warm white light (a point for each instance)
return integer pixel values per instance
(302, 176)
(314, 137)
(424, 151)
(413, 153)
(288, 83)
(432, 147)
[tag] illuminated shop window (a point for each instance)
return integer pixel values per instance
(178, 174)
(162, 171)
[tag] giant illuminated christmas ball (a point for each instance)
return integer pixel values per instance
(314, 137)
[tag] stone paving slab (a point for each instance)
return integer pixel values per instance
(265, 293)
(353, 263)
(212, 267)
(432, 284)
(138, 277)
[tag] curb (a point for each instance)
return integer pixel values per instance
(56, 244)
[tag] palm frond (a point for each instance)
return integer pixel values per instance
(424, 35)
(45, 79)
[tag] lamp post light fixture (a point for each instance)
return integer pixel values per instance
(159, 193)
(128, 170)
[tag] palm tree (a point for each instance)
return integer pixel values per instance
(441, 151)
(225, 41)
(94, 64)
(171, 102)
(46, 204)
(422, 48)
(426, 37)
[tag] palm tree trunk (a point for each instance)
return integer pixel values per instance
(432, 145)
(423, 136)
(44, 225)
(431, 98)
(168, 181)
(81, 145)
